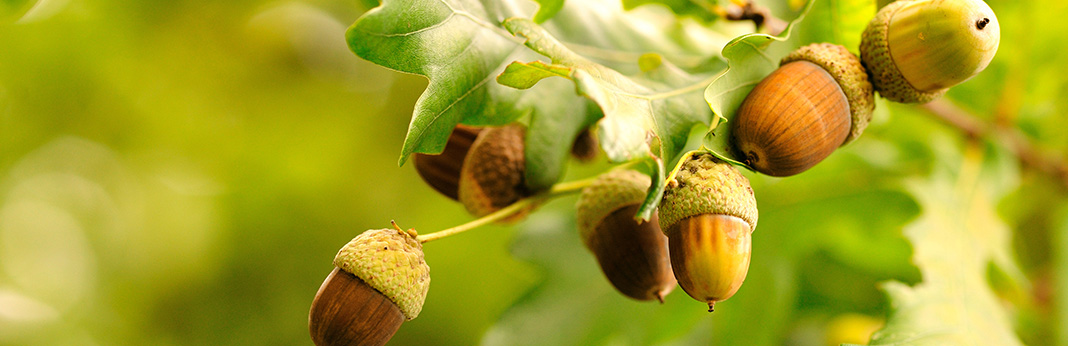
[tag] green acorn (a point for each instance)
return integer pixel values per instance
(708, 213)
(380, 279)
(632, 254)
(816, 101)
(917, 49)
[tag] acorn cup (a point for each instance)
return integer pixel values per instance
(380, 280)
(708, 213)
(632, 254)
(916, 49)
(492, 176)
(816, 101)
(442, 171)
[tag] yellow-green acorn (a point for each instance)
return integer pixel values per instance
(917, 49)
(708, 213)
(816, 101)
(632, 254)
(493, 173)
(380, 279)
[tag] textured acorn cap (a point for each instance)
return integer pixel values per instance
(608, 193)
(850, 75)
(705, 185)
(917, 49)
(390, 261)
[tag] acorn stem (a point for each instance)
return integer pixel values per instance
(560, 189)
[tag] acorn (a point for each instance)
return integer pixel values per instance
(442, 171)
(585, 147)
(708, 213)
(816, 101)
(915, 50)
(632, 254)
(380, 280)
(492, 176)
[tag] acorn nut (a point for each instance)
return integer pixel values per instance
(816, 101)
(632, 254)
(708, 213)
(442, 171)
(585, 147)
(380, 279)
(917, 49)
(492, 176)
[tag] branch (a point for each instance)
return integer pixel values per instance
(1021, 146)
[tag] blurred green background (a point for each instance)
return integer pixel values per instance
(182, 173)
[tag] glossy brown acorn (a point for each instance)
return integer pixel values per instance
(380, 279)
(442, 171)
(710, 255)
(816, 101)
(346, 311)
(792, 120)
(632, 254)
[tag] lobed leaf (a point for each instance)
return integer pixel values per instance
(955, 239)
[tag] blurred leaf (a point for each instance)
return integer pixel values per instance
(604, 32)
(955, 238)
(703, 9)
(1060, 251)
(837, 21)
(547, 9)
(750, 58)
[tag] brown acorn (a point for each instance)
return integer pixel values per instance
(708, 213)
(585, 147)
(493, 172)
(817, 100)
(632, 254)
(442, 171)
(379, 281)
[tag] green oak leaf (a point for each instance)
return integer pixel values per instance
(955, 239)
(750, 58)
(604, 32)
(635, 115)
(459, 46)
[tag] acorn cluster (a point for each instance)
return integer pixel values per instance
(700, 236)
(822, 96)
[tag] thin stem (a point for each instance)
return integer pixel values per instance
(557, 190)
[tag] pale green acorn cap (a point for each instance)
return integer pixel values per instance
(609, 192)
(390, 261)
(705, 185)
(875, 53)
(850, 75)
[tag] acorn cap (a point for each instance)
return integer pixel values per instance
(705, 185)
(608, 193)
(390, 261)
(917, 49)
(848, 71)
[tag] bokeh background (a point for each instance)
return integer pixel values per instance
(183, 172)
